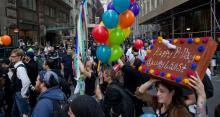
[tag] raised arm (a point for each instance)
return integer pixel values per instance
(198, 86)
(143, 94)
(82, 69)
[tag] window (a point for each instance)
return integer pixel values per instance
(11, 1)
(52, 12)
(47, 11)
(30, 4)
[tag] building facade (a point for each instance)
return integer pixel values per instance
(8, 18)
(180, 18)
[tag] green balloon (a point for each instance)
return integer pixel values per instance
(117, 37)
(116, 53)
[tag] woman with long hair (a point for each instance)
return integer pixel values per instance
(169, 101)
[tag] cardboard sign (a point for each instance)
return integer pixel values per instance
(176, 65)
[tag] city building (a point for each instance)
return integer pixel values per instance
(180, 18)
(8, 18)
(55, 20)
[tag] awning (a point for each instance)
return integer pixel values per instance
(166, 6)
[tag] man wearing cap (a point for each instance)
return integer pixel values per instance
(32, 70)
(48, 85)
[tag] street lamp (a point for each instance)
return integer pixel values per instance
(188, 28)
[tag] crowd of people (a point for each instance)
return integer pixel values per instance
(41, 83)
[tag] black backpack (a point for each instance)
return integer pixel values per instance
(60, 108)
(16, 84)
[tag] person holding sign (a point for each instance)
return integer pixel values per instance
(169, 100)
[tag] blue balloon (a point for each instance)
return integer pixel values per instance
(110, 19)
(121, 5)
(148, 115)
(103, 53)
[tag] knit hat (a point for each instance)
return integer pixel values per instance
(30, 54)
(46, 76)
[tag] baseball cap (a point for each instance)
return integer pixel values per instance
(30, 54)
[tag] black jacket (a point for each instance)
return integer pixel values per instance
(117, 101)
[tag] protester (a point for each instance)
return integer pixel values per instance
(47, 85)
(20, 84)
(90, 79)
(169, 100)
(116, 102)
(85, 106)
(67, 64)
(217, 111)
(32, 70)
(132, 79)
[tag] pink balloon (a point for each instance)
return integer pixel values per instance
(100, 34)
(138, 44)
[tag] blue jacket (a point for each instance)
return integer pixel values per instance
(44, 107)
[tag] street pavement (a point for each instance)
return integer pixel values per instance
(212, 102)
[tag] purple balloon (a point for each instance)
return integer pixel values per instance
(111, 7)
(135, 8)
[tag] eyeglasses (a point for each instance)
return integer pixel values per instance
(13, 56)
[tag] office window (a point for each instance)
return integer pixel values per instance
(47, 11)
(30, 4)
(11, 1)
(52, 12)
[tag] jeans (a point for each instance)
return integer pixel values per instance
(20, 105)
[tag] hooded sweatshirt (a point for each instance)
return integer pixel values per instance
(44, 107)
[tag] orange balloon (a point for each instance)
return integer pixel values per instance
(6, 40)
(126, 19)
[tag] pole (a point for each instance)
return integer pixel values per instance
(214, 14)
(173, 30)
(211, 23)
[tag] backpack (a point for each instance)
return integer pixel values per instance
(16, 84)
(60, 108)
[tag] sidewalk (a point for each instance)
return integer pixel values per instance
(216, 77)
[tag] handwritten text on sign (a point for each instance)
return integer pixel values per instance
(166, 59)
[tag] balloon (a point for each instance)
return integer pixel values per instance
(0, 41)
(110, 19)
(103, 53)
(138, 44)
(117, 36)
(121, 5)
(110, 6)
(127, 32)
(101, 24)
(100, 34)
(107, 43)
(135, 8)
(110, 30)
(132, 1)
(148, 115)
(116, 53)
(126, 19)
(6, 40)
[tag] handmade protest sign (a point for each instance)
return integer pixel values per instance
(177, 65)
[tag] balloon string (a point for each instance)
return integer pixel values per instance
(99, 63)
